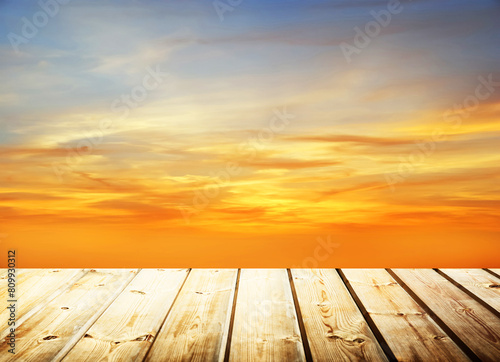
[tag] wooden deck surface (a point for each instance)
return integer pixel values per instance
(254, 315)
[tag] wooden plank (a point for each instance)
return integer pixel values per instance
(47, 333)
(265, 322)
(476, 326)
(127, 328)
(335, 327)
(408, 330)
(196, 327)
(24, 280)
(35, 287)
(479, 282)
(496, 271)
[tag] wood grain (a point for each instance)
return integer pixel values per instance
(477, 327)
(127, 328)
(25, 279)
(196, 327)
(265, 322)
(479, 282)
(496, 271)
(335, 327)
(207, 315)
(43, 336)
(410, 333)
(35, 288)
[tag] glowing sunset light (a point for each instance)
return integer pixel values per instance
(164, 133)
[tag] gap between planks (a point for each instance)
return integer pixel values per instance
(455, 284)
(469, 320)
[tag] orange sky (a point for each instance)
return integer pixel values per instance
(263, 147)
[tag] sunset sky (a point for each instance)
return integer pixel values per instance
(198, 133)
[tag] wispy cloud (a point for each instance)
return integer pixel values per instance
(322, 174)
